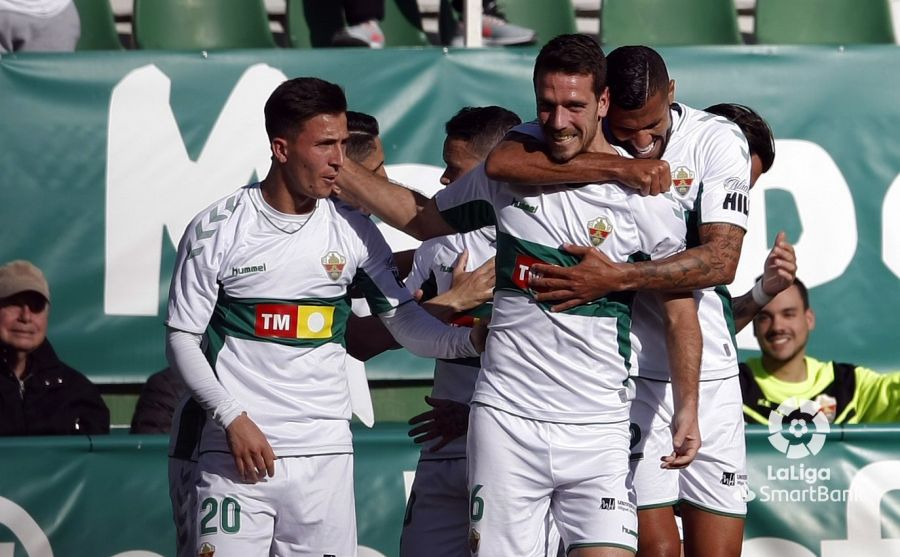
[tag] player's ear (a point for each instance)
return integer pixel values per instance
(671, 92)
(279, 149)
(603, 103)
(810, 319)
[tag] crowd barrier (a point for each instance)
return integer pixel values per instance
(108, 497)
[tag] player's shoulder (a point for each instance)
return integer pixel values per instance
(527, 131)
(219, 214)
(700, 125)
(225, 207)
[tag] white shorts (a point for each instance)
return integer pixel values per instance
(306, 510)
(437, 513)
(716, 480)
(519, 468)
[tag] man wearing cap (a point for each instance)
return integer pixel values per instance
(39, 394)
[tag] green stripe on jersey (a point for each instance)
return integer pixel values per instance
(514, 257)
(378, 302)
(727, 312)
(307, 322)
(470, 216)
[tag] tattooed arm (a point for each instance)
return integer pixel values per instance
(712, 263)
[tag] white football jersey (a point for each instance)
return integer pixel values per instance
(569, 367)
(710, 164)
(270, 293)
(433, 272)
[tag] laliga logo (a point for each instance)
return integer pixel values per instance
(789, 428)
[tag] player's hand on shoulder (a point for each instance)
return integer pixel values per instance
(252, 453)
(649, 176)
(685, 439)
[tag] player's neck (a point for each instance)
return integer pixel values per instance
(789, 371)
(600, 144)
(277, 195)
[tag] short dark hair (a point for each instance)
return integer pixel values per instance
(297, 100)
(575, 54)
(363, 130)
(481, 127)
(804, 293)
(636, 73)
(756, 130)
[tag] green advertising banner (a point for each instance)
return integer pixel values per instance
(104, 158)
(108, 496)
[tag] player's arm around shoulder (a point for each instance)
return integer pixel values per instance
(401, 207)
(521, 158)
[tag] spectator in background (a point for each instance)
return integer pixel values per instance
(363, 29)
(846, 393)
(495, 29)
(38, 26)
(39, 394)
(156, 405)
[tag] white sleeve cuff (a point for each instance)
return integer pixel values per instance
(423, 335)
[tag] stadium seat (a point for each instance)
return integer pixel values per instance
(312, 23)
(669, 22)
(402, 24)
(823, 22)
(547, 19)
(201, 24)
(98, 26)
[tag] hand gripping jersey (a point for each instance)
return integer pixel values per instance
(432, 271)
(569, 367)
(270, 293)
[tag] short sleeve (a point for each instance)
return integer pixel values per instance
(660, 224)
(726, 178)
(468, 203)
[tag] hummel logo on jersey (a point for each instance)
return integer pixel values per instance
(682, 180)
(728, 478)
(530, 209)
(236, 271)
(445, 268)
(607, 504)
(737, 202)
(290, 321)
(599, 229)
(334, 264)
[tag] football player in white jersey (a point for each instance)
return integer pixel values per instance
(256, 319)
(710, 178)
(437, 514)
(549, 422)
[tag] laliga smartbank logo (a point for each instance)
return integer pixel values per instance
(797, 428)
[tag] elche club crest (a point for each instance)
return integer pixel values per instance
(798, 428)
(599, 229)
(682, 180)
(334, 263)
